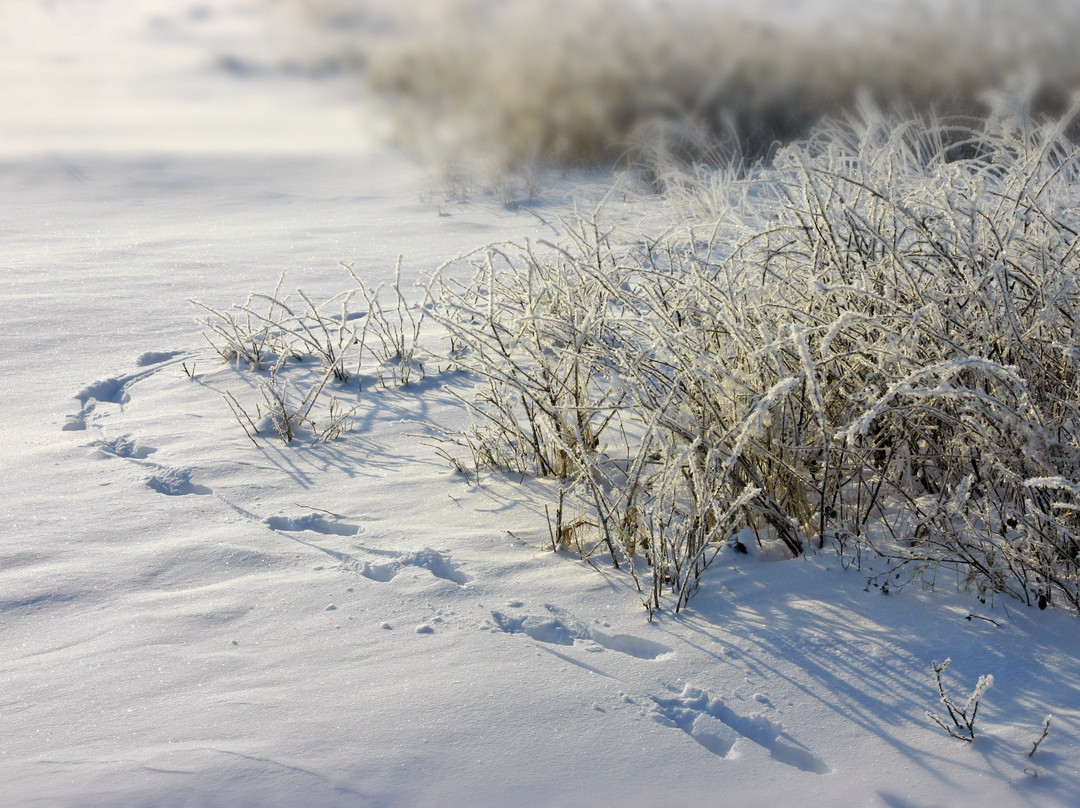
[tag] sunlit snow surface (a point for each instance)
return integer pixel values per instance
(188, 619)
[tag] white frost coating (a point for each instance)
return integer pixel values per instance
(945, 372)
(757, 419)
(1058, 483)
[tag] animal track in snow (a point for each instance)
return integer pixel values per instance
(559, 627)
(717, 727)
(629, 644)
(125, 447)
(439, 565)
(104, 391)
(171, 482)
(542, 629)
(108, 391)
(113, 390)
(175, 483)
(316, 523)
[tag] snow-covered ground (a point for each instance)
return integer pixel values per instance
(189, 619)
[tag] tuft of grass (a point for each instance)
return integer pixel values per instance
(276, 341)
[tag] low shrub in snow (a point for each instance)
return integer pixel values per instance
(873, 346)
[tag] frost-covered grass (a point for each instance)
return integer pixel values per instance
(869, 347)
(329, 344)
(577, 81)
(872, 348)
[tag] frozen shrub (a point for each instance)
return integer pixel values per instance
(877, 341)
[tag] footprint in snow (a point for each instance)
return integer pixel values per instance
(559, 627)
(164, 480)
(717, 727)
(391, 562)
(438, 564)
(115, 389)
(124, 447)
(104, 391)
(176, 483)
(328, 525)
(171, 482)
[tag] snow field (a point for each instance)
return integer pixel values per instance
(190, 619)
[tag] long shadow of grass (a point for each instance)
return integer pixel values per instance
(870, 662)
